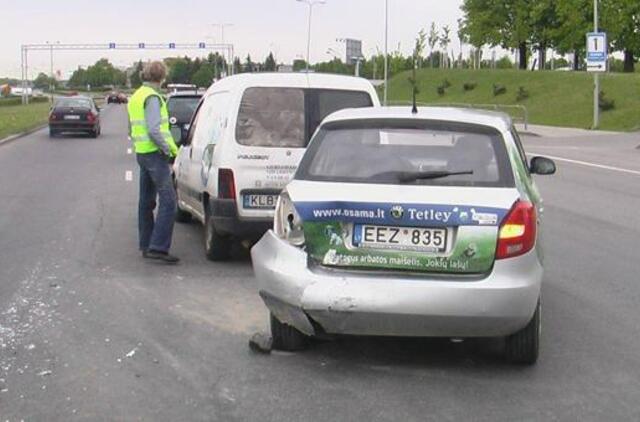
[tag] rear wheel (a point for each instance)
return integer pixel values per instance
(216, 246)
(523, 346)
(93, 133)
(285, 337)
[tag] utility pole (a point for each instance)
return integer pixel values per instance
(310, 3)
(386, 51)
(596, 75)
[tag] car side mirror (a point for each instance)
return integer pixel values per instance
(542, 166)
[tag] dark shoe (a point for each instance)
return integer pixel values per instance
(161, 256)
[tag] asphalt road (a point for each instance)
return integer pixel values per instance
(88, 331)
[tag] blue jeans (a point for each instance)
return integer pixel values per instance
(155, 181)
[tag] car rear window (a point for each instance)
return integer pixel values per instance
(378, 151)
(182, 108)
(73, 102)
(287, 117)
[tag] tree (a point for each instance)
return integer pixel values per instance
(135, 78)
(179, 70)
(43, 81)
(575, 19)
(299, 64)
(445, 40)
(204, 76)
(237, 66)
(433, 39)
(621, 18)
(270, 63)
(544, 22)
(248, 64)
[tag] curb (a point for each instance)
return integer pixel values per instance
(12, 138)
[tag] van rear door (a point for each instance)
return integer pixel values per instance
(273, 129)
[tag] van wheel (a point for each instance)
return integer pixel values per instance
(287, 338)
(523, 346)
(216, 247)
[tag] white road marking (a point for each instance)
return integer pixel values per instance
(585, 163)
(128, 176)
(129, 151)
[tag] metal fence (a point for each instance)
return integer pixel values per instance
(518, 113)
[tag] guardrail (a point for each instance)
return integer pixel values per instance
(518, 113)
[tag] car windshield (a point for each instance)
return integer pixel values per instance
(182, 108)
(73, 102)
(287, 117)
(396, 152)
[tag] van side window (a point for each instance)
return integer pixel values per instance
(194, 124)
(211, 119)
(329, 101)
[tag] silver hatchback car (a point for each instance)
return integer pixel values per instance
(408, 224)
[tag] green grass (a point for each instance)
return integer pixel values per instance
(17, 119)
(556, 98)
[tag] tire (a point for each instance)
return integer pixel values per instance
(93, 134)
(523, 346)
(287, 338)
(216, 247)
(182, 216)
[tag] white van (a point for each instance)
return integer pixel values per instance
(244, 145)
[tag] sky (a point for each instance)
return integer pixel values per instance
(258, 26)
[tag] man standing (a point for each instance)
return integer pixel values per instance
(155, 147)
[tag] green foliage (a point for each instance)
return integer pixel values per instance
(499, 89)
(248, 64)
(606, 104)
(299, 65)
(504, 63)
(204, 76)
(522, 95)
(99, 75)
(469, 86)
(135, 78)
(446, 83)
(270, 63)
(19, 118)
(441, 90)
(44, 82)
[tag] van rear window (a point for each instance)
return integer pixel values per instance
(287, 117)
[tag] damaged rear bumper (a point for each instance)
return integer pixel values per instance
(342, 302)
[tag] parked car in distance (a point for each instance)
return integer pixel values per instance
(403, 224)
(117, 98)
(244, 145)
(74, 114)
(182, 106)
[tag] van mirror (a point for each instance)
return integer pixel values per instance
(542, 166)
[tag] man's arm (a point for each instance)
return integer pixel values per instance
(153, 119)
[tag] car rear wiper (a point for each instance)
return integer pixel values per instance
(408, 177)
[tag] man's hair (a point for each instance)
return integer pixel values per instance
(154, 72)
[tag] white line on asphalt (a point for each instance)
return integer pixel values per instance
(128, 176)
(585, 163)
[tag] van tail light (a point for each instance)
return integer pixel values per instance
(517, 234)
(91, 117)
(226, 184)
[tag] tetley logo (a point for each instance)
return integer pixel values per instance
(397, 212)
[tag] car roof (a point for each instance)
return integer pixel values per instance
(185, 94)
(497, 120)
(293, 80)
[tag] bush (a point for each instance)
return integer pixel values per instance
(13, 101)
(523, 94)
(469, 86)
(504, 63)
(499, 90)
(446, 84)
(605, 103)
(442, 90)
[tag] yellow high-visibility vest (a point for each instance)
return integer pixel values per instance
(142, 142)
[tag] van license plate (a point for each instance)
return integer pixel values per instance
(401, 238)
(260, 201)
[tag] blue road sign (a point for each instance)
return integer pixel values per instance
(597, 51)
(202, 45)
(172, 45)
(112, 45)
(141, 45)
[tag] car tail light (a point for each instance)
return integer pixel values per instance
(91, 117)
(287, 223)
(226, 184)
(52, 116)
(517, 234)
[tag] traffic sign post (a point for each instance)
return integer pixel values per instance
(596, 61)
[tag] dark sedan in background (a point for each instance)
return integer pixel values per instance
(74, 114)
(181, 107)
(117, 98)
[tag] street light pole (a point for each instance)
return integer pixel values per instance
(386, 51)
(596, 75)
(310, 3)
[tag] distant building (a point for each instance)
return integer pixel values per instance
(285, 68)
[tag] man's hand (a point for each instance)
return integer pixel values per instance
(173, 150)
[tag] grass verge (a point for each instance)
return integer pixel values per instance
(19, 118)
(554, 98)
